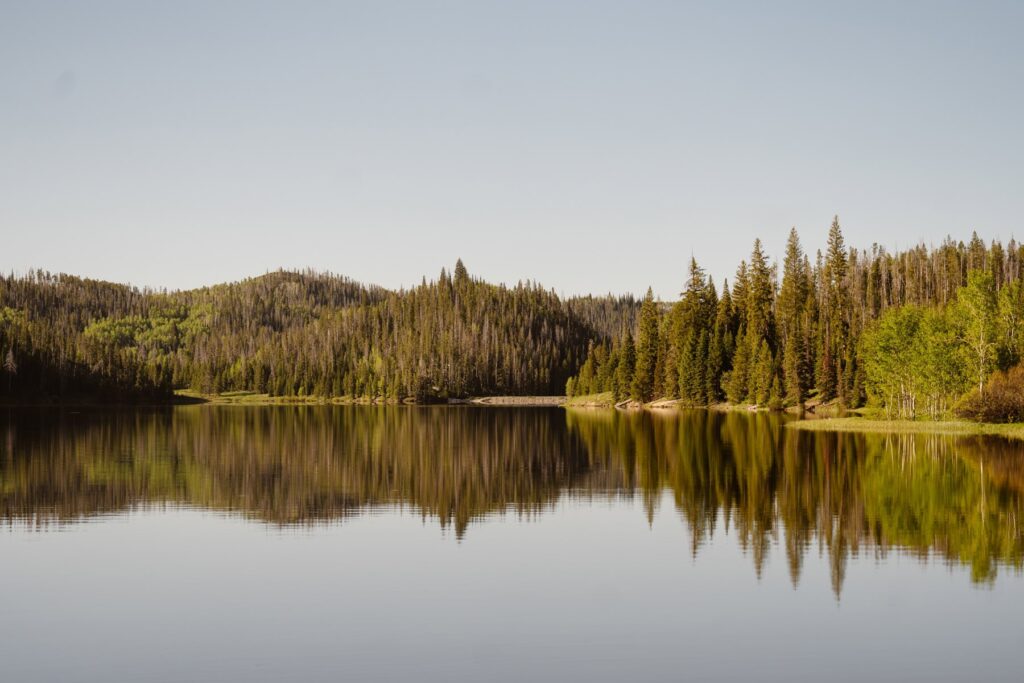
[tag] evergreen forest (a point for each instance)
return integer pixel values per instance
(923, 332)
(295, 335)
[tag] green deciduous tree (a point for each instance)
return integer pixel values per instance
(977, 308)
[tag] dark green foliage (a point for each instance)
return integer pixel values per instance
(737, 381)
(834, 326)
(696, 373)
(295, 334)
(794, 322)
(642, 387)
(49, 349)
(760, 298)
(839, 331)
(827, 331)
(625, 367)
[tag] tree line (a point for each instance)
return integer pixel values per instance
(295, 334)
(910, 332)
(916, 332)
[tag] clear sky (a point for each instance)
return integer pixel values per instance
(589, 145)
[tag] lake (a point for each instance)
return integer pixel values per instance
(323, 543)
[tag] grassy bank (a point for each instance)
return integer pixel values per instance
(606, 400)
(516, 401)
(603, 400)
(867, 425)
(252, 398)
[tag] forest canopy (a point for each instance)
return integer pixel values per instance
(915, 333)
(908, 332)
(295, 334)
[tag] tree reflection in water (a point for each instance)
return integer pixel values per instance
(954, 498)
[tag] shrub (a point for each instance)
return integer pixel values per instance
(1001, 401)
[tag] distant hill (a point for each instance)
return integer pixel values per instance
(293, 334)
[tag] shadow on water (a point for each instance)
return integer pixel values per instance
(955, 499)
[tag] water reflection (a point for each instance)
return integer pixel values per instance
(954, 499)
(959, 499)
(287, 465)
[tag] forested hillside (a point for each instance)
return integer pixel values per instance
(295, 334)
(916, 333)
(912, 332)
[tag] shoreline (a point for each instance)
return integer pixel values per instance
(808, 422)
(514, 401)
(247, 398)
(864, 425)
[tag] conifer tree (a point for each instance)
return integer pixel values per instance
(607, 360)
(659, 388)
(833, 324)
(691, 377)
(625, 367)
(461, 274)
(702, 369)
(738, 380)
(760, 297)
(725, 326)
(795, 370)
(975, 253)
(792, 301)
(739, 299)
(642, 388)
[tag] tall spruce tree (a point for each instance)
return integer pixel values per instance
(760, 333)
(834, 329)
(760, 297)
(642, 388)
(624, 368)
(792, 302)
(695, 314)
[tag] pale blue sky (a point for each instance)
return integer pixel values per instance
(592, 146)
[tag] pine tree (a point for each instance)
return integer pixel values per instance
(660, 386)
(975, 253)
(695, 313)
(760, 297)
(702, 369)
(834, 323)
(607, 360)
(739, 299)
(797, 371)
(725, 327)
(624, 370)
(585, 379)
(713, 378)
(461, 274)
(737, 383)
(691, 378)
(642, 388)
(792, 301)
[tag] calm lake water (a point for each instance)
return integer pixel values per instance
(479, 544)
